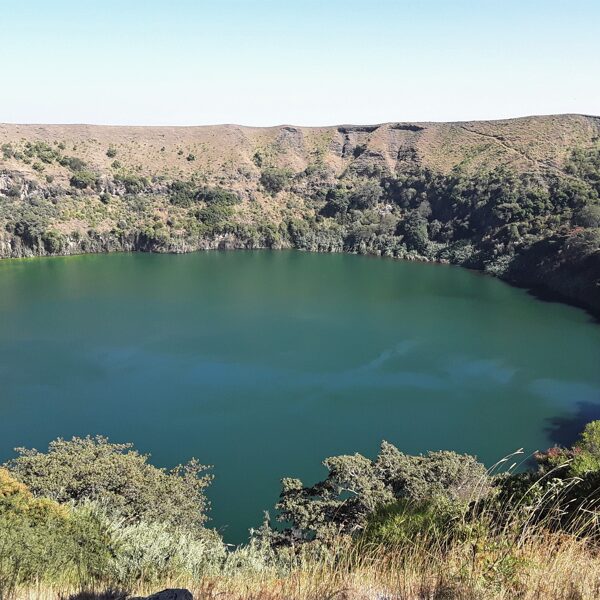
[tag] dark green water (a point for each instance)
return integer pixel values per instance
(264, 363)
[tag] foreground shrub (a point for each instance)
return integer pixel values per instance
(152, 552)
(118, 477)
(404, 523)
(427, 526)
(356, 487)
(43, 541)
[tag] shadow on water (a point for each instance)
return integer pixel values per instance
(543, 294)
(563, 431)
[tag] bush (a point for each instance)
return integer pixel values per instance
(365, 196)
(414, 231)
(182, 193)
(44, 542)
(94, 469)
(52, 241)
(274, 180)
(587, 451)
(218, 195)
(73, 163)
(214, 215)
(7, 151)
(133, 184)
(338, 202)
(356, 487)
(111, 152)
(403, 523)
(155, 552)
(588, 216)
(83, 179)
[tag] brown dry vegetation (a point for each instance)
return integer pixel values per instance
(542, 567)
(528, 143)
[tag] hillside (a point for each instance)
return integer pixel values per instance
(517, 198)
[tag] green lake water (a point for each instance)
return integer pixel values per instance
(264, 363)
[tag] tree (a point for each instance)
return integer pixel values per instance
(118, 477)
(366, 195)
(356, 487)
(338, 202)
(414, 231)
(587, 450)
(83, 179)
(588, 216)
(274, 180)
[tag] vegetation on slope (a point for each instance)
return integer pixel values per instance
(432, 526)
(519, 199)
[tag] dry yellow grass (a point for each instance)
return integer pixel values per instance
(227, 151)
(543, 567)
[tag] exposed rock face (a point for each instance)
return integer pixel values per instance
(172, 594)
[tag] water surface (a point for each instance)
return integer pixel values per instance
(264, 363)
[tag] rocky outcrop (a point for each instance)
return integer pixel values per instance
(169, 594)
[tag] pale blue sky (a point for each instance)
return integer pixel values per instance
(265, 62)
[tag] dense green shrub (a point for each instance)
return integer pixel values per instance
(214, 215)
(7, 151)
(155, 552)
(43, 541)
(356, 487)
(53, 241)
(404, 523)
(587, 450)
(588, 216)
(133, 184)
(217, 195)
(365, 196)
(585, 164)
(83, 179)
(337, 203)
(274, 179)
(182, 193)
(413, 229)
(582, 458)
(72, 162)
(92, 468)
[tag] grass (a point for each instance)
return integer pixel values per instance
(495, 554)
(543, 566)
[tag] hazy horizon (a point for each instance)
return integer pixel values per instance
(303, 63)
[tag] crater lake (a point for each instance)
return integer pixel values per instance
(264, 363)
